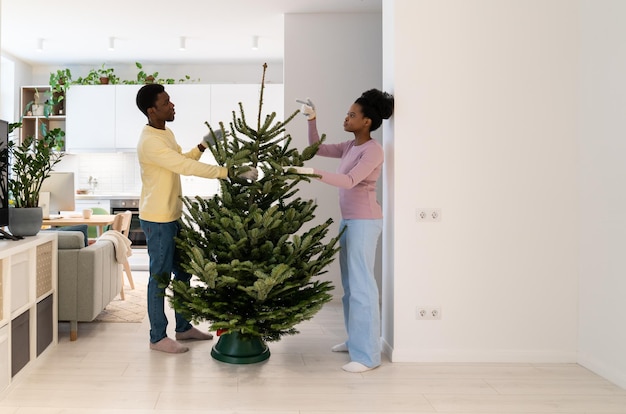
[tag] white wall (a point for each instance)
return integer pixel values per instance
(332, 59)
(389, 180)
(485, 129)
(602, 173)
(15, 73)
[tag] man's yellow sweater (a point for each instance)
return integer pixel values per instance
(162, 162)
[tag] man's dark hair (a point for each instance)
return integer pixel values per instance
(147, 96)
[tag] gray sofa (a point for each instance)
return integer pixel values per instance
(89, 278)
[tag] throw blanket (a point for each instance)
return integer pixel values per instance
(121, 244)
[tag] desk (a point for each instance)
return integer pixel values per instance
(98, 220)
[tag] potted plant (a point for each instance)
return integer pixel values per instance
(61, 80)
(143, 77)
(59, 83)
(107, 76)
(255, 267)
(92, 78)
(30, 164)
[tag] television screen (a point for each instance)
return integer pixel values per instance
(4, 173)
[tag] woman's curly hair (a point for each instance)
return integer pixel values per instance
(376, 105)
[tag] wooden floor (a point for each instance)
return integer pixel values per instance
(111, 370)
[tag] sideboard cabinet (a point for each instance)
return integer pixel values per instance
(28, 302)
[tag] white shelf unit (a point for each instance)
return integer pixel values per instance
(28, 302)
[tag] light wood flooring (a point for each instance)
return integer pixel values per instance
(111, 370)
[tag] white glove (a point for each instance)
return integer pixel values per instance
(298, 170)
(252, 174)
(208, 140)
(307, 109)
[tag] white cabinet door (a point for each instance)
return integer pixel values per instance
(192, 104)
(129, 120)
(106, 117)
(90, 122)
(225, 99)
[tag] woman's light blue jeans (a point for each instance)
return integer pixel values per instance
(360, 299)
(163, 261)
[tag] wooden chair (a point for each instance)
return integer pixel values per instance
(92, 231)
(122, 224)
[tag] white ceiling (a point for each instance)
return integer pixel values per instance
(78, 31)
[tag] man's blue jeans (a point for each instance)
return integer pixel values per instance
(163, 262)
(360, 299)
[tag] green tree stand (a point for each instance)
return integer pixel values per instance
(235, 349)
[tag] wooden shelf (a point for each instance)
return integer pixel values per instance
(33, 121)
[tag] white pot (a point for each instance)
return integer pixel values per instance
(37, 109)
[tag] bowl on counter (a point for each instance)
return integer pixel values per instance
(82, 191)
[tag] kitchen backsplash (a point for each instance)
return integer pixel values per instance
(119, 173)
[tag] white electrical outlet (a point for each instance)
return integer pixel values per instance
(428, 214)
(428, 312)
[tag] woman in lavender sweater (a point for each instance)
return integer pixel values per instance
(362, 218)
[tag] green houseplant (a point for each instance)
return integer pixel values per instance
(59, 82)
(30, 164)
(255, 268)
(143, 77)
(107, 76)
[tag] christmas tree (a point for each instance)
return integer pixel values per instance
(255, 267)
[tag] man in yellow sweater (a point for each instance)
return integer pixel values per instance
(162, 163)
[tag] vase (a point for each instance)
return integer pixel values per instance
(25, 221)
(235, 348)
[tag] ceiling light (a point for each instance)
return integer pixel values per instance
(255, 42)
(183, 43)
(111, 43)
(40, 45)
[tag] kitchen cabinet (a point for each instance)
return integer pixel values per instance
(28, 302)
(106, 117)
(90, 127)
(192, 104)
(129, 120)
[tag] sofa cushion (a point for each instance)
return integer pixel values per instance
(71, 240)
(78, 227)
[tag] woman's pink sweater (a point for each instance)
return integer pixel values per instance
(356, 176)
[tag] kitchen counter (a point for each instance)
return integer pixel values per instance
(116, 196)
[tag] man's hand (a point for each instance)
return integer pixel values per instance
(291, 169)
(209, 140)
(250, 173)
(307, 109)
